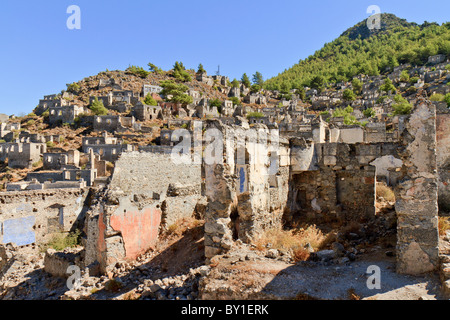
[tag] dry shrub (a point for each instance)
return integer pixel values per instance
(311, 235)
(182, 225)
(295, 240)
(329, 239)
(383, 191)
(300, 254)
(132, 295)
(62, 240)
(174, 229)
(279, 239)
(444, 225)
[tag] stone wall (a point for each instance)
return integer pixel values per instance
(22, 155)
(107, 152)
(416, 193)
(246, 189)
(335, 181)
(147, 192)
(144, 112)
(375, 132)
(64, 114)
(32, 216)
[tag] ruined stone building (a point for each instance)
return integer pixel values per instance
(255, 98)
(21, 155)
(65, 114)
(144, 112)
(61, 160)
(259, 180)
(204, 109)
(146, 89)
(112, 123)
(53, 101)
(204, 78)
(270, 171)
(335, 180)
(108, 148)
(146, 192)
(8, 128)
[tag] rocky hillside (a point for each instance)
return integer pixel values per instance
(126, 80)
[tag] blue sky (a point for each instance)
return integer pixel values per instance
(39, 55)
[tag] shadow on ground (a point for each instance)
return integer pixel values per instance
(307, 280)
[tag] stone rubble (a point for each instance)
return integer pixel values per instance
(27, 279)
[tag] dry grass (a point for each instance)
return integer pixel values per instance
(277, 238)
(182, 225)
(311, 235)
(383, 191)
(444, 225)
(94, 290)
(132, 295)
(295, 240)
(300, 254)
(329, 239)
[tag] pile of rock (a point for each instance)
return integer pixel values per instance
(178, 287)
(57, 263)
(181, 287)
(336, 254)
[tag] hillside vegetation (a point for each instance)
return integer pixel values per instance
(361, 51)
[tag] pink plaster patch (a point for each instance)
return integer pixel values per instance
(139, 230)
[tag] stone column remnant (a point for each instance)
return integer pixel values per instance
(416, 193)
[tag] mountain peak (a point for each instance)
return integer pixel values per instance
(388, 21)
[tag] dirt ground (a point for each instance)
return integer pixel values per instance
(262, 278)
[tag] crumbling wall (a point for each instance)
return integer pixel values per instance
(334, 180)
(443, 158)
(383, 166)
(32, 216)
(416, 193)
(222, 201)
(147, 191)
(247, 188)
(351, 135)
(24, 155)
(333, 194)
(375, 132)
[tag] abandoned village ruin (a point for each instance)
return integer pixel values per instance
(282, 162)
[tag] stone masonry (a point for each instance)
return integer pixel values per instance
(246, 189)
(147, 192)
(416, 194)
